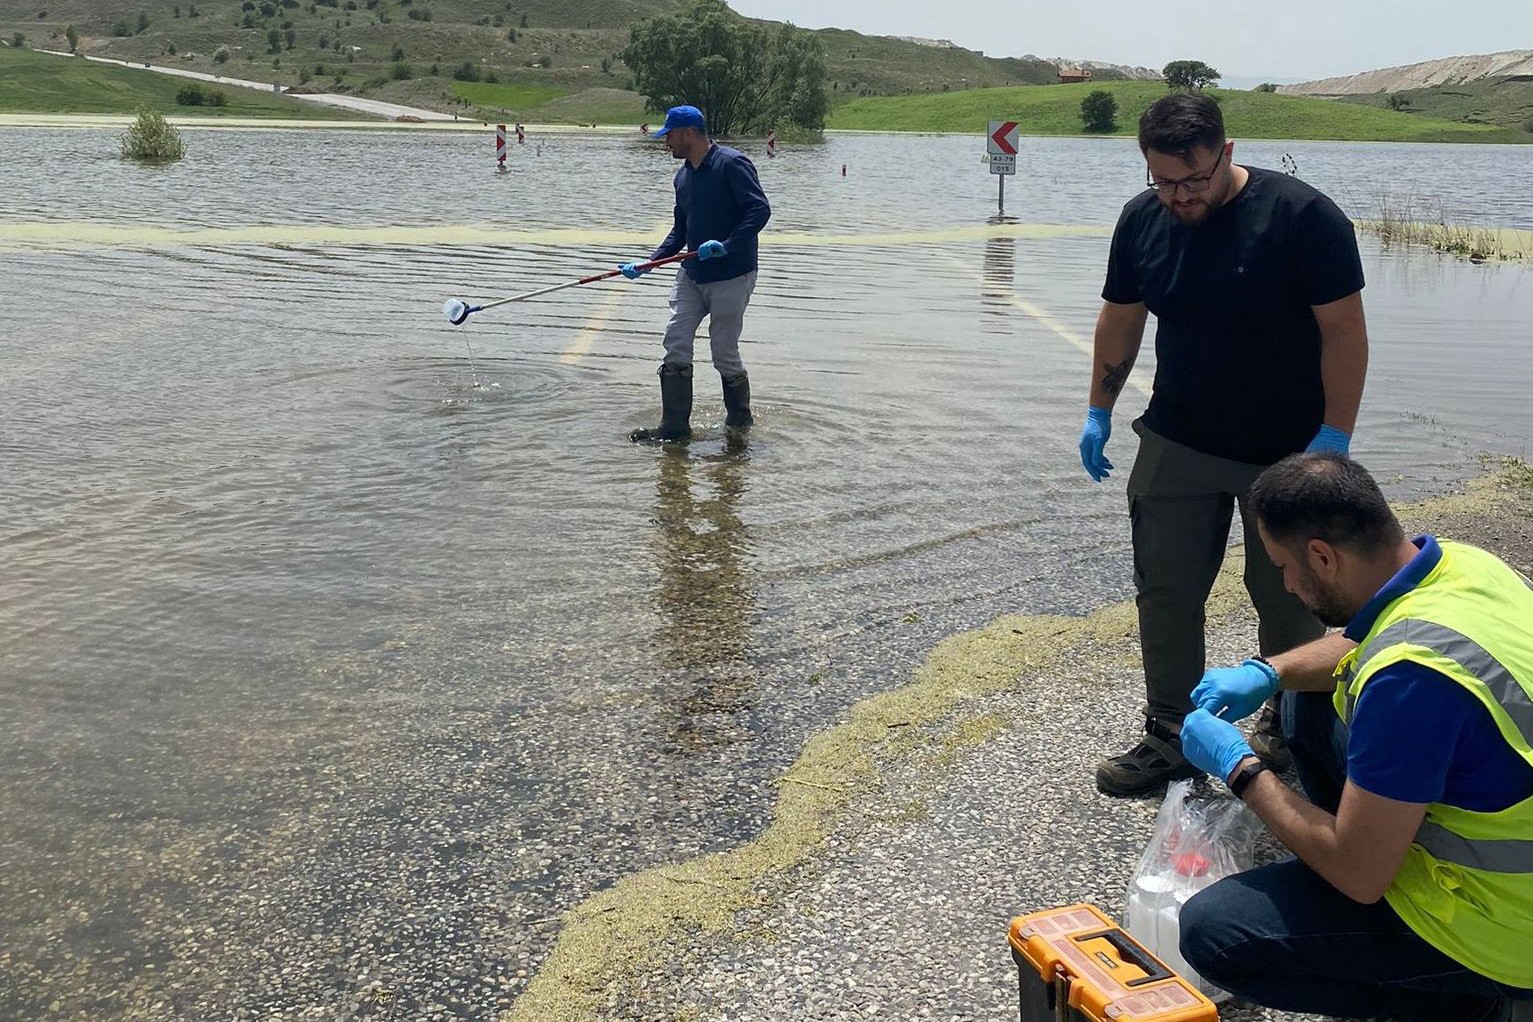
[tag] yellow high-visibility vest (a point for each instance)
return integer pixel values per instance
(1466, 886)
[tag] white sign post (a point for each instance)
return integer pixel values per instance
(1001, 143)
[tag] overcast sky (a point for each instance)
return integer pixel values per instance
(1288, 39)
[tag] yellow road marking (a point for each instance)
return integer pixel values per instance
(78, 234)
(581, 346)
(1048, 319)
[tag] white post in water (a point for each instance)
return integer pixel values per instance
(1002, 146)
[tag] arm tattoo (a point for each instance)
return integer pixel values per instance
(1115, 376)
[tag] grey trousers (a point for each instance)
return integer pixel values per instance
(1181, 503)
(723, 302)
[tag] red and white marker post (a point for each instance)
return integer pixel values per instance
(500, 147)
(771, 143)
(521, 135)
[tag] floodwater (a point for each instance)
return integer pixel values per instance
(341, 649)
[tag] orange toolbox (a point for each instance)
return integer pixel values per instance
(1074, 964)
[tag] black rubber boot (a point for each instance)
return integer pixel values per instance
(675, 407)
(737, 401)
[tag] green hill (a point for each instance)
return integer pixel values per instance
(1504, 102)
(39, 83)
(1055, 110)
(562, 50)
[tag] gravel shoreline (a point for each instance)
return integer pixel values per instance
(906, 838)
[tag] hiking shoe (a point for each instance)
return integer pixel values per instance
(1149, 766)
(1267, 739)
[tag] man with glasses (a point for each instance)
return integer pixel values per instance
(1261, 349)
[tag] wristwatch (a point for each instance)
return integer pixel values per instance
(1243, 777)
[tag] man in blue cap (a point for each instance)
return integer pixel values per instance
(720, 208)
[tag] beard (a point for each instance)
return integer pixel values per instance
(1328, 606)
(1191, 214)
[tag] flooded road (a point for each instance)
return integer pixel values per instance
(341, 649)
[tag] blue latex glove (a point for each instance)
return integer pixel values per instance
(1093, 439)
(1330, 439)
(1234, 693)
(631, 271)
(1212, 745)
(710, 250)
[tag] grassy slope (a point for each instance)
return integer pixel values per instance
(1505, 102)
(1055, 110)
(40, 83)
(575, 34)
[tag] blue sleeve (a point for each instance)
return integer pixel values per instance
(755, 211)
(677, 239)
(1405, 733)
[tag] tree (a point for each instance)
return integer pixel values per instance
(1398, 101)
(1265, 87)
(744, 75)
(72, 36)
(1189, 74)
(273, 41)
(221, 55)
(143, 21)
(1099, 111)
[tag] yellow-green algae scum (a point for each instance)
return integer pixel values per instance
(615, 937)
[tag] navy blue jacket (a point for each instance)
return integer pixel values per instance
(721, 200)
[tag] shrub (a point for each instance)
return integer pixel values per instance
(268, 9)
(511, 35)
(466, 72)
(398, 54)
(151, 138)
(606, 65)
(170, 48)
(524, 21)
(545, 61)
(1397, 101)
(249, 20)
(143, 21)
(121, 28)
(489, 76)
(434, 71)
(401, 71)
(194, 94)
(1266, 87)
(72, 36)
(1099, 111)
(290, 37)
(1527, 125)
(192, 12)
(304, 76)
(273, 41)
(19, 41)
(319, 70)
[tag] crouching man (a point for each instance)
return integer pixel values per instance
(1412, 892)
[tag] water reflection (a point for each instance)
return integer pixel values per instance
(704, 596)
(999, 274)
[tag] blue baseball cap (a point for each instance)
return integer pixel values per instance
(682, 117)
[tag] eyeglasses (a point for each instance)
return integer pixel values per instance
(1194, 185)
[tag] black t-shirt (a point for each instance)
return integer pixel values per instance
(1237, 348)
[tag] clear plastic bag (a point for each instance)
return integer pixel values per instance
(1198, 839)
